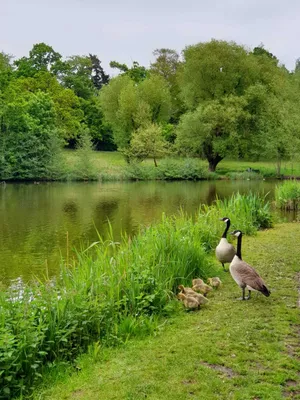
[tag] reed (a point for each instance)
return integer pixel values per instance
(287, 195)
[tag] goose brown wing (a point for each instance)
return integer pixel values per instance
(250, 277)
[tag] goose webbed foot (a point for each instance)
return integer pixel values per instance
(225, 270)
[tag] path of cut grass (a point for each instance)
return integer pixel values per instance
(228, 350)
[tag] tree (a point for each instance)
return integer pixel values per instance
(42, 57)
(261, 51)
(211, 131)
(148, 142)
(137, 72)
(68, 113)
(167, 65)
(127, 105)
(27, 136)
(226, 89)
(99, 77)
(78, 76)
(5, 70)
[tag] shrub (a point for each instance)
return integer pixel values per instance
(287, 195)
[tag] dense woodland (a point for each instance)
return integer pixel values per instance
(216, 99)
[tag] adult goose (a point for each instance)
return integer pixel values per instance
(245, 275)
(225, 251)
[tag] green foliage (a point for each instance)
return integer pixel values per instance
(27, 137)
(85, 168)
(115, 291)
(127, 105)
(42, 57)
(287, 195)
(169, 169)
(137, 72)
(238, 102)
(148, 142)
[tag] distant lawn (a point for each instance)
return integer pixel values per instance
(112, 164)
(229, 350)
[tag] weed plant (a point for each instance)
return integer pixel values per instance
(287, 195)
(114, 291)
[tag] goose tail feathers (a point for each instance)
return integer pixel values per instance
(265, 291)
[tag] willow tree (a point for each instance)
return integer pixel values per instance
(223, 86)
(128, 105)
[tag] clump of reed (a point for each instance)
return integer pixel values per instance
(287, 195)
(114, 291)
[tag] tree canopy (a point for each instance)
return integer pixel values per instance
(216, 99)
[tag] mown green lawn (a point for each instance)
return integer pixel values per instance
(228, 350)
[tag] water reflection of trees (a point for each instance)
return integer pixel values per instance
(35, 218)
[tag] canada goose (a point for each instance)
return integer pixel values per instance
(191, 293)
(200, 286)
(245, 275)
(188, 301)
(214, 282)
(225, 251)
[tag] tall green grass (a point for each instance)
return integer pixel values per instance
(287, 195)
(114, 291)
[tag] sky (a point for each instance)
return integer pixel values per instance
(130, 30)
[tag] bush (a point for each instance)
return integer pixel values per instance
(287, 195)
(169, 169)
(27, 138)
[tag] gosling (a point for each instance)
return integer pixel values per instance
(191, 293)
(189, 302)
(200, 286)
(215, 282)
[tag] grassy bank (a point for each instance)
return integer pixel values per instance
(112, 166)
(114, 292)
(81, 165)
(228, 350)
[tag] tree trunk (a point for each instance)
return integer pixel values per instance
(155, 163)
(213, 159)
(278, 165)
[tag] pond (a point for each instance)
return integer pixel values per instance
(39, 222)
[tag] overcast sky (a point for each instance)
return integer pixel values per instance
(131, 29)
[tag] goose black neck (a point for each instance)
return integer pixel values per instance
(226, 229)
(239, 246)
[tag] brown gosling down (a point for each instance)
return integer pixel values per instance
(215, 282)
(200, 286)
(245, 275)
(191, 293)
(189, 302)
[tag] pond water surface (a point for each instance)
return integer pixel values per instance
(35, 220)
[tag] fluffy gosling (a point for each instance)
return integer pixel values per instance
(200, 286)
(189, 302)
(215, 282)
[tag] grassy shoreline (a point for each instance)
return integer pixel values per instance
(114, 292)
(111, 166)
(228, 350)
